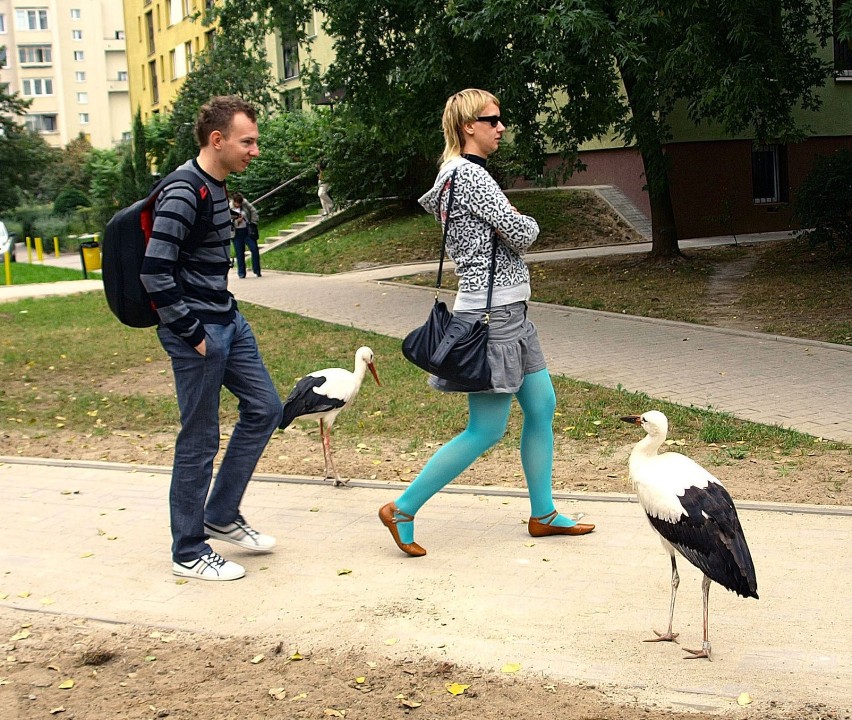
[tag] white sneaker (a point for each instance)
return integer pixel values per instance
(211, 566)
(241, 533)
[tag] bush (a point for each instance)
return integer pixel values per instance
(69, 200)
(824, 201)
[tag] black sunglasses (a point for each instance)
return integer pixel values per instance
(493, 119)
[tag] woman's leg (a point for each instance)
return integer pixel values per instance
(538, 402)
(489, 414)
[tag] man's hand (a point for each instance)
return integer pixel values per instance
(201, 348)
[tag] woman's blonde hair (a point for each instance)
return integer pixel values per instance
(463, 107)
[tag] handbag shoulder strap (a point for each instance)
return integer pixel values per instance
(452, 185)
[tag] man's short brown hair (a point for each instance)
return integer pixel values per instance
(218, 114)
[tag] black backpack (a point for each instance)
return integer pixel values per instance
(123, 249)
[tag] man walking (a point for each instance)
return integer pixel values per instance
(210, 345)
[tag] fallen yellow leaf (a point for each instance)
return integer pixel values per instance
(57, 710)
(21, 635)
(391, 641)
(87, 555)
(344, 571)
(744, 699)
(277, 693)
(66, 684)
(510, 667)
(300, 696)
(257, 659)
(331, 712)
(360, 680)
(47, 601)
(296, 656)
(150, 658)
(456, 688)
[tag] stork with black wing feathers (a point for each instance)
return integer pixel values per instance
(322, 395)
(694, 515)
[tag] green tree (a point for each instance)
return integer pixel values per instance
(24, 155)
(567, 72)
(141, 168)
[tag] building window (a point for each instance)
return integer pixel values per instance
(769, 174)
(82, 97)
(35, 55)
(311, 26)
(35, 19)
(188, 50)
(842, 50)
(84, 118)
(178, 10)
(177, 62)
(292, 100)
(122, 76)
(38, 86)
(79, 76)
(76, 34)
(152, 77)
(119, 34)
(75, 13)
(79, 55)
(291, 59)
(149, 26)
(41, 123)
(4, 62)
(2, 24)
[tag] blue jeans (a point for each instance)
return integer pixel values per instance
(242, 237)
(232, 361)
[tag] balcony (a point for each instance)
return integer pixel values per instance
(114, 45)
(117, 86)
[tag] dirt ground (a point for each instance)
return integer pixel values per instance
(76, 668)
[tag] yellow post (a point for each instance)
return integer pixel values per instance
(56, 246)
(39, 250)
(29, 250)
(7, 261)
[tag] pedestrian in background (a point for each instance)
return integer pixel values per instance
(322, 191)
(482, 215)
(245, 219)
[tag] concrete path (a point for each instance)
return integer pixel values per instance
(92, 540)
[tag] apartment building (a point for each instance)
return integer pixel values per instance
(164, 37)
(68, 57)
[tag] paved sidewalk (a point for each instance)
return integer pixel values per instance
(92, 540)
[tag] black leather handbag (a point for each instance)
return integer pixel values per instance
(450, 348)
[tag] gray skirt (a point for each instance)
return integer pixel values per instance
(513, 349)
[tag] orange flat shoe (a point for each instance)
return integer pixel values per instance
(387, 514)
(541, 527)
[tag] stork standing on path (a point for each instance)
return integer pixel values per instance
(322, 395)
(693, 514)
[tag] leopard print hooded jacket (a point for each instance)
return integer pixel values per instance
(480, 207)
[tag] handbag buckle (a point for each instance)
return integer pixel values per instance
(487, 318)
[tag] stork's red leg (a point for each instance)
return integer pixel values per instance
(705, 646)
(330, 471)
(669, 636)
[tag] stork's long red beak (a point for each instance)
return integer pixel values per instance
(373, 371)
(632, 419)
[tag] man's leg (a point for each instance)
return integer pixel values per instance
(260, 414)
(198, 380)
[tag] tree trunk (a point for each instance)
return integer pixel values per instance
(663, 230)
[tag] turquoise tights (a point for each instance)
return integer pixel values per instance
(489, 415)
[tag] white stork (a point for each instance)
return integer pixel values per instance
(321, 395)
(693, 514)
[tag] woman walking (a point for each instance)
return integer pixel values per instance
(481, 215)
